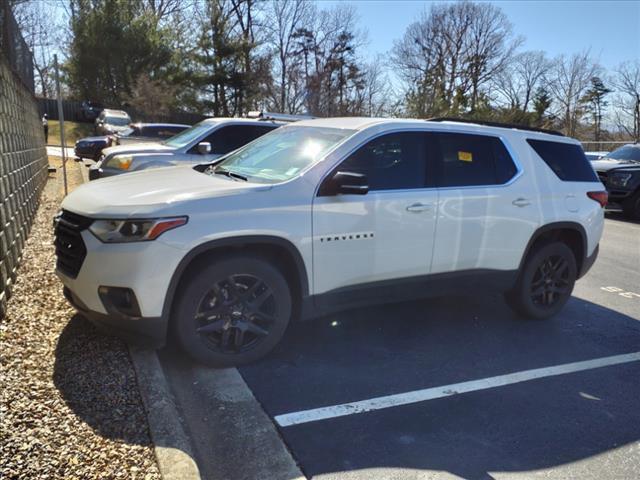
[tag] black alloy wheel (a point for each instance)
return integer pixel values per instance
(232, 311)
(236, 314)
(546, 281)
(551, 282)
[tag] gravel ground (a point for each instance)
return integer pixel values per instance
(69, 402)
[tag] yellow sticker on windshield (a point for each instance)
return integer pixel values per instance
(465, 156)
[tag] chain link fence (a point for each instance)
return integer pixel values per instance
(23, 158)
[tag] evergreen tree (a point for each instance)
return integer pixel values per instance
(595, 102)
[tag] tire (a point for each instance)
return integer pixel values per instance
(232, 311)
(631, 207)
(551, 270)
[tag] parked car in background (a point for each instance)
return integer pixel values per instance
(110, 122)
(619, 171)
(591, 156)
(89, 111)
(204, 142)
(91, 147)
(148, 132)
(326, 214)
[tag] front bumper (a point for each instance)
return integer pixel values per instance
(148, 332)
(144, 268)
(87, 152)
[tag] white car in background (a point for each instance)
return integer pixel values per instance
(592, 156)
(202, 143)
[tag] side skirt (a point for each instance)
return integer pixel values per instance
(412, 288)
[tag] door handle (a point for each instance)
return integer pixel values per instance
(521, 202)
(418, 207)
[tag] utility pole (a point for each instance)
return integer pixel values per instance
(61, 120)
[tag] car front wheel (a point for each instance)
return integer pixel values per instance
(233, 311)
(545, 283)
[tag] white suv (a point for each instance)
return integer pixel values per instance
(324, 214)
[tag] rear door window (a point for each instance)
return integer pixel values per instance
(465, 160)
(567, 160)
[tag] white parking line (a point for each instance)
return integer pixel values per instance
(362, 406)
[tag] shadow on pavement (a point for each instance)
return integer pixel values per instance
(392, 349)
(94, 374)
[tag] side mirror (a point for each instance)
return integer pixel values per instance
(204, 148)
(350, 183)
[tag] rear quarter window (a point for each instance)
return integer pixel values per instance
(567, 160)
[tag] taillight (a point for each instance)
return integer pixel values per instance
(601, 197)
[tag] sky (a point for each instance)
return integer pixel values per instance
(611, 29)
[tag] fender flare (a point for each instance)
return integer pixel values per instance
(233, 242)
(557, 226)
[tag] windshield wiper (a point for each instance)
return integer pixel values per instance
(230, 174)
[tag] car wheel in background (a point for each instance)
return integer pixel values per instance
(232, 311)
(545, 283)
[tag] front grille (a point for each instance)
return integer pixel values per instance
(70, 248)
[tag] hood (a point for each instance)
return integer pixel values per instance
(606, 164)
(102, 138)
(138, 148)
(158, 191)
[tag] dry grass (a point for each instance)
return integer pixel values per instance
(72, 132)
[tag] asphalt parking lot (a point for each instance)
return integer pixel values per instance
(446, 388)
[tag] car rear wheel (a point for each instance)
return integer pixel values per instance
(233, 311)
(631, 207)
(545, 283)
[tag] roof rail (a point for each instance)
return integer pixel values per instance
(278, 117)
(496, 124)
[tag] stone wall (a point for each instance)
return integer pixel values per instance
(23, 172)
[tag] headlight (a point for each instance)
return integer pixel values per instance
(122, 162)
(120, 231)
(619, 179)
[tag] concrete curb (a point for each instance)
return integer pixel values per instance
(83, 171)
(234, 438)
(172, 448)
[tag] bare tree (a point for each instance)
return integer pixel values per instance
(377, 97)
(518, 81)
(448, 57)
(285, 18)
(39, 30)
(571, 77)
(627, 101)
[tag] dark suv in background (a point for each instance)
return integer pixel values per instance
(619, 171)
(89, 111)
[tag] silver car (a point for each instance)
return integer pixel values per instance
(148, 132)
(111, 121)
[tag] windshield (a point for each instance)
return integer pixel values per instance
(626, 153)
(187, 136)
(118, 121)
(282, 154)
